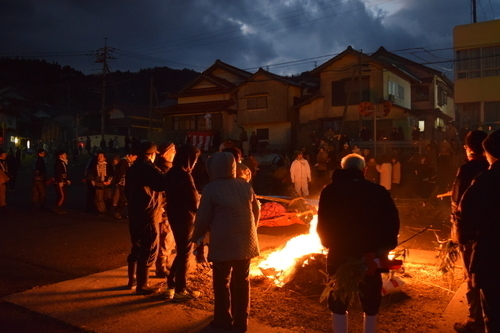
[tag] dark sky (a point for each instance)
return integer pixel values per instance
(283, 36)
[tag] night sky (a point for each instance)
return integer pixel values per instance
(283, 36)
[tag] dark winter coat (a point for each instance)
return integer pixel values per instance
(478, 220)
(60, 171)
(355, 216)
(465, 175)
(182, 196)
(143, 186)
(40, 169)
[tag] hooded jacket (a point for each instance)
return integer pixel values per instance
(229, 210)
(182, 196)
(355, 216)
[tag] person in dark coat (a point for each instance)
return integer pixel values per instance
(476, 164)
(119, 198)
(61, 180)
(182, 204)
(478, 217)
(88, 145)
(348, 233)
(143, 186)
(103, 144)
(39, 196)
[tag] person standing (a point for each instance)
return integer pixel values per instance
(229, 210)
(395, 176)
(477, 222)
(103, 144)
(143, 186)
(4, 180)
(321, 166)
(182, 204)
(101, 176)
(385, 170)
(476, 164)
(355, 234)
(300, 174)
(88, 145)
(119, 198)
(254, 142)
(39, 196)
(61, 180)
(166, 247)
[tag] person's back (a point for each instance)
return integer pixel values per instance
(142, 188)
(357, 220)
(360, 209)
(231, 199)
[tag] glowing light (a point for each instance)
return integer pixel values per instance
(280, 265)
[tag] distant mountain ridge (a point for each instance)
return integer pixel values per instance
(69, 90)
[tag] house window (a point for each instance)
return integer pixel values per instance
(442, 97)
(490, 61)
(422, 93)
(262, 133)
(257, 102)
(492, 115)
(478, 62)
(340, 90)
(397, 90)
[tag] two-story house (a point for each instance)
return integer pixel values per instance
(432, 95)
(358, 90)
(265, 106)
(205, 112)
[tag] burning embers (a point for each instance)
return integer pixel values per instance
(280, 265)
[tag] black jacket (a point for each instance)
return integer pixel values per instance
(60, 171)
(143, 186)
(40, 169)
(478, 220)
(465, 175)
(355, 216)
(182, 196)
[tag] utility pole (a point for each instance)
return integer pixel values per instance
(474, 13)
(102, 56)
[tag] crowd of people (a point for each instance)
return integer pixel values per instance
(155, 187)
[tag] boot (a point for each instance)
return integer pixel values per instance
(340, 323)
(143, 287)
(369, 324)
(132, 282)
(161, 270)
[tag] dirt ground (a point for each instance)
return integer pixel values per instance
(416, 308)
(296, 306)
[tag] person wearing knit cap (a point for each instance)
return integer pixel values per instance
(144, 184)
(166, 242)
(476, 164)
(478, 222)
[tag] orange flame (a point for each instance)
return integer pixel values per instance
(280, 265)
